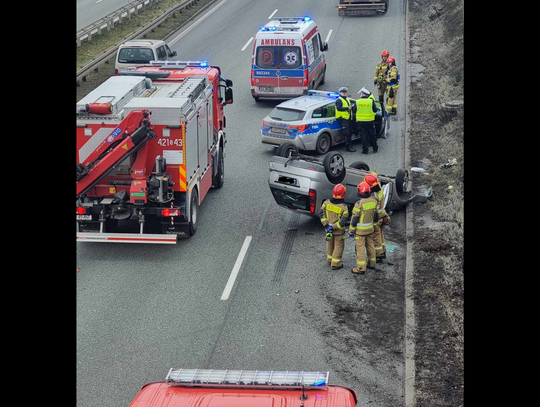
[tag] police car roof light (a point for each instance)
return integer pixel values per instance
(247, 378)
(322, 93)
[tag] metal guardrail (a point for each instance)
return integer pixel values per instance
(109, 21)
(107, 54)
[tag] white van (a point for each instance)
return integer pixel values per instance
(288, 58)
(134, 53)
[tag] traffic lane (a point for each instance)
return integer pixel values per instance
(140, 310)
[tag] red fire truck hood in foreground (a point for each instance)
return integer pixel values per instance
(165, 395)
(244, 388)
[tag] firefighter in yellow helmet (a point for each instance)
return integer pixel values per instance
(334, 215)
(384, 218)
(380, 75)
(364, 214)
(392, 79)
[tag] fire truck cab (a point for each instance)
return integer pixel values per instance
(288, 58)
(244, 388)
(150, 145)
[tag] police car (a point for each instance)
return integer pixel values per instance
(309, 122)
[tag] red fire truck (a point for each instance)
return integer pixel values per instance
(150, 145)
(244, 388)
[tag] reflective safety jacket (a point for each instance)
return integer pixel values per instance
(344, 113)
(363, 216)
(381, 70)
(365, 109)
(392, 78)
(380, 205)
(336, 213)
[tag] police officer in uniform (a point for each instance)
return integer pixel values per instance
(365, 120)
(393, 85)
(384, 218)
(380, 75)
(344, 108)
(334, 215)
(364, 214)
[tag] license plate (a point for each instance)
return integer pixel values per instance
(266, 89)
(84, 217)
(278, 130)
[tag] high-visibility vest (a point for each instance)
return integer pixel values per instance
(364, 111)
(345, 114)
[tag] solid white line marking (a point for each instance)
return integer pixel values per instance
(236, 268)
(328, 36)
(173, 41)
(247, 43)
(272, 15)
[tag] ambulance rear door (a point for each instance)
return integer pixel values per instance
(277, 67)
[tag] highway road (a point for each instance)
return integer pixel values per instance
(142, 309)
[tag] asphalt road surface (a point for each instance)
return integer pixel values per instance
(142, 309)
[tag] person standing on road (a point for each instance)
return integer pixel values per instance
(334, 215)
(380, 75)
(361, 228)
(365, 120)
(392, 79)
(344, 108)
(384, 219)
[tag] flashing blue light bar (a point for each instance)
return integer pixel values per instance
(180, 64)
(307, 18)
(323, 93)
(319, 383)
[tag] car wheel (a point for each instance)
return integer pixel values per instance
(384, 128)
(323, 143)
(334, 166)
(402, 179)
(287, 150)
(360, 165)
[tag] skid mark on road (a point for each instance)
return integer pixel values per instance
(285, 250)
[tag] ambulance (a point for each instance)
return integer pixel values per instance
(288, 58)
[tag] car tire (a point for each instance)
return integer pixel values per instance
(287, 150)
(323, 144)
(360, 165)
(402, 179)
(334, 167)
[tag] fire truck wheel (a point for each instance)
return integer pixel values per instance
(219, 179)
(193, 212)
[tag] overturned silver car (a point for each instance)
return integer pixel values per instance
(301, 183)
